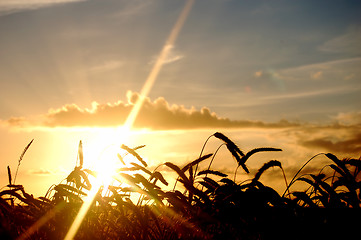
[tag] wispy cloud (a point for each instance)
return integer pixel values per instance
(173, 56)
(349, 42)
(40, 172)
(106, 66)
(314, 93)
(348, 63)
(310, 80)
(132, 8)
(317, 75)
(11, 6)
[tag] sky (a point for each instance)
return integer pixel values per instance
(266, 73)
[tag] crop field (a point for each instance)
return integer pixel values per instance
(140, 203)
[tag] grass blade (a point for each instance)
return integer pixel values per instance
(294, 179)
(195, 162)
(178, 170)
(121, 158)
(341, 165)
(302, 196)
(159, 176)
(9, 175)
(212, 172)
(141, 168)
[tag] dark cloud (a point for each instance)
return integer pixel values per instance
(338, 138)
(351, 145)
(157, 115)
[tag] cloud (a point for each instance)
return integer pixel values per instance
(349, 42)
(349, 118)
(131, 8)
(269, 78)
(267, 74)
(306, 81)
(336, 138)
(172, 56)
(157, 115)
(12, 6)
(307, 139)
(313, 93)
(351, 145)
(39, 172)
(258, 74)
(339, 67)
(317, 75)
(106, 66)
(332, 71)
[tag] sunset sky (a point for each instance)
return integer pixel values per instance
(282, 74)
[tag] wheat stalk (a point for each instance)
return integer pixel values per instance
(299, 170)
(9, 175)
(267, 165)
(21, 158)
(80, 154)
(134, 153)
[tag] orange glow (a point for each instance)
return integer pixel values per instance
(106, 162)
(134, 113)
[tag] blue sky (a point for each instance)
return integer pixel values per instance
(236, 64)
(229, 56)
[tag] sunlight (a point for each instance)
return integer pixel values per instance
(122, 132)
(107, 162)
(105, 165)
(164, 53)
(83, 211)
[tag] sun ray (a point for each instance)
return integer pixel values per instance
(135, 110)
(158, 64)
(83, 211)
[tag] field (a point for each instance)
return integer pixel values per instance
(203, 204)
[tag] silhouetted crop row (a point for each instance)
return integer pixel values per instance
(207, 204)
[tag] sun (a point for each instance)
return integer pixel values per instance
(104, 151)
(102, 155)
(107, 164)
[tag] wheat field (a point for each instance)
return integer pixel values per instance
(204, 203)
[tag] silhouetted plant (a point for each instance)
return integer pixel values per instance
(208, 205)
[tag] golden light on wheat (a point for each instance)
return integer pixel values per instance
(206, 204)
(109, 160)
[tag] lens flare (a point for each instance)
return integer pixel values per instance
(159, 63)
(134, 112)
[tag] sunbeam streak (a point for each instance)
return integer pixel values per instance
(158, 64)
(135, 110)
(83, 211)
